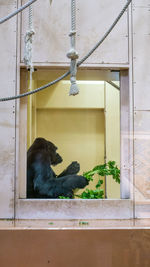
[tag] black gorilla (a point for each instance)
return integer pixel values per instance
(42, 182)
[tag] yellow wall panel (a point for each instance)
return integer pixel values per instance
(91, 95)
(31, 107)
(78, 134)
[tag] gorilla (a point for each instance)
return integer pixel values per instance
(42, 182)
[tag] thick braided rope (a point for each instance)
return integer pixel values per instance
(28, 42)
(28, 46)
(30, 17)
(73, 10)
(36, 90)
(78, 64)
(17, 11)
(73, 55)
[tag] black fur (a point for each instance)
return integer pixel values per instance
(42, 182)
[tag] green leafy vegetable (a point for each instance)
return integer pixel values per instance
(92, 194)
(62, 197)
(100, 182)
(83, 223)
(107, 169)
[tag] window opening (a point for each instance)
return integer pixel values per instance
(85, 128)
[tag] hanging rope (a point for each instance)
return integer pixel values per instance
(17, 11)
(78, 64)
(28, 46)
(72, 54)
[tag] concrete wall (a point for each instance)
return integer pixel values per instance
(141, 80)
(7, 110)
(52, 41)
(50, 47)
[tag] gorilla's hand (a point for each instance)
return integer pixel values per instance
(73, 168)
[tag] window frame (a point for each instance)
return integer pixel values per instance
(80, 208)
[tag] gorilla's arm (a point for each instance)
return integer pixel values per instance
(66, 185)
(43, 180)
(73, 168)
(63, 186)
(53, 173)
(38, 174)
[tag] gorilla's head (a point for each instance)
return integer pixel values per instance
(54, 156)
(42, 144)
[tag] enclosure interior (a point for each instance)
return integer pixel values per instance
(85, 127)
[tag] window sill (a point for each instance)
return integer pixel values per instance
(74, 209)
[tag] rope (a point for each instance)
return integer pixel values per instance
(28, 46)
(36, 90)
(17, 11)
(72, 54)
(78, 64)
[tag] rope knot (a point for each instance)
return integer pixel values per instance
(72, 33)
(31, 32)
(28, 36)
(72, 54)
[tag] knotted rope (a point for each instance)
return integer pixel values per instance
(79, 62)
(72, 54)
(28, 46)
